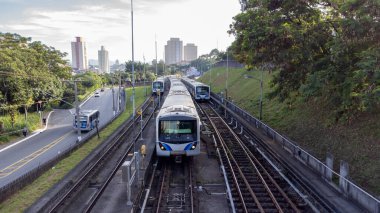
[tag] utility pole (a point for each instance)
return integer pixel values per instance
(77, 111)
(261, 96)
(155, 41)
(77, 108)
(227, 77)
(163, 65)
(133, 79)
(113, 97)
(119, 92)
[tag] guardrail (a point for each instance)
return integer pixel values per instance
(347, 187)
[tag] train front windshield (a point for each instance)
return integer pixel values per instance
(157, 85)
(177, 131)
(201, 90)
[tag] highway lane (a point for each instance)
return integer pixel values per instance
(58, 137)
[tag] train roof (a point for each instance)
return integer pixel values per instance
(194, 82)
(178, 101)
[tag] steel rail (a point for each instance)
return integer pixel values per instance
(90, 168)
(253, 164)
(149, 188)
(246, 149)
(257, 162)
(315, 200)
(161, 189)
(99, 192)
(253, 161)
(231, 158)
(231, 169)
(191, 189)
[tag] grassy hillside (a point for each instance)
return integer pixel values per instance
(310, 124)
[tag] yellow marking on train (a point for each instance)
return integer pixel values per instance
(17, 165)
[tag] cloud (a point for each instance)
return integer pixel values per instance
(107, 23)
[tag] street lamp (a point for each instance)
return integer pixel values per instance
(155, 45)
(210, 76)
(146, 91)
(227, 77)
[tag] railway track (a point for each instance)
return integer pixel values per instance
(255, 186)
(170, 188)
(82, 195)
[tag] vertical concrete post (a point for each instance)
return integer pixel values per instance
(137, 166)
(343, 184)
(330, 166)
(126, 177)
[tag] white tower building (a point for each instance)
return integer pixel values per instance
(190, 52)
(173, 51)
(104, 64)
(79, 54)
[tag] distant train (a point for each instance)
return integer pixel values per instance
(158, 84)
(200, 91)
(87, 119)
(178, 123)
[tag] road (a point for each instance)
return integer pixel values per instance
(21, 158)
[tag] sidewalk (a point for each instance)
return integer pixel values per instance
(22, 139)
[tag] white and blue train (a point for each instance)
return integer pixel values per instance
(200, 91)
(88, 120)
(158, 84)
(178, 124)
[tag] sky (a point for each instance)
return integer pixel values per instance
(56, 23)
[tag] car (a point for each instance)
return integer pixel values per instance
(97, 94)
(102, 90)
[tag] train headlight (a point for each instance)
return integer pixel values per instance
(162, 147)
(193, 146)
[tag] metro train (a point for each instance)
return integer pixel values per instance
(200, 91)
(158, 84)
(178, 123)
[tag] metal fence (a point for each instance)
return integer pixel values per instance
(347, 187)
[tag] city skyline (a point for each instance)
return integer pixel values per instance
(108, 23)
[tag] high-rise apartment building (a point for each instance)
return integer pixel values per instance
(190, 52)
(79, 54)
(173, 51)
(104, 64)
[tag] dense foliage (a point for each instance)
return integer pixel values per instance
(30, 72)
(328, 50)
(144, 71)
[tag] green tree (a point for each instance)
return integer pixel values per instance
(30, 72)
(323, 49)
